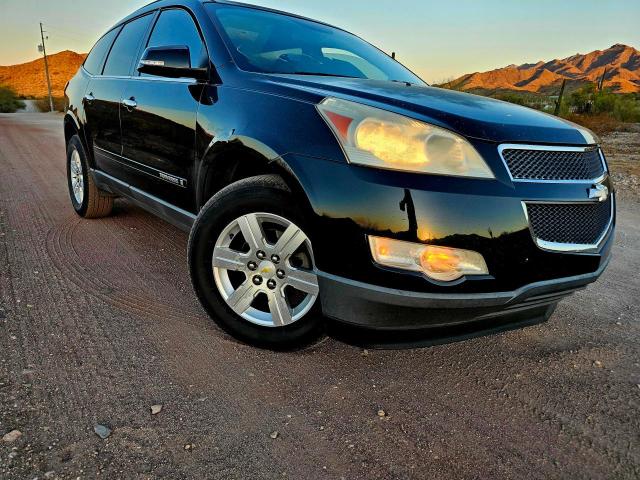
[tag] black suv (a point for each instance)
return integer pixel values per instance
(320, 178)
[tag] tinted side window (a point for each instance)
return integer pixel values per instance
(176, 27)
(95, 59)
(125, 49)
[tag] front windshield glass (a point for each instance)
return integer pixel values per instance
(268, 42)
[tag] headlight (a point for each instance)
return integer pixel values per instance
(377, 138)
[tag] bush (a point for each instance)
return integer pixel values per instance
(605, 102)
(580, 101)
(531, 100)
(627, 109)
(9, 101)
(621, 107)
(511, 98)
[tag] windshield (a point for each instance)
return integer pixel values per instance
(268, 42)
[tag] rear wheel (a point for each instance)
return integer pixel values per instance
(252, 267)
(87, 199)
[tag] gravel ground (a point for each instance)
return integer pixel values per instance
(98, 323)
(623, 153)
(29, 107)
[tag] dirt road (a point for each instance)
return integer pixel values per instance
(98, 323)
(29, 107)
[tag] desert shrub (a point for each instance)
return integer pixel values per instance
(587, 100)
(627, 109)
(511, 98)
(535, 101)
(9, 101)
(579, 101)
(605, 102)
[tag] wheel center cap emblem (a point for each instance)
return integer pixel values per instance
(267, 269)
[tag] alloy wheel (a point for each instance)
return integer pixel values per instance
(77, 177)
(263, 268)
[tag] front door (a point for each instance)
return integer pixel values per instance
(158, 117)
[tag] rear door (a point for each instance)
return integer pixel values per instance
(159, 125)
(102, 99)
(104, 95)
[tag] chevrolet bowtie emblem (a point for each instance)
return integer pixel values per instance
(599, 192)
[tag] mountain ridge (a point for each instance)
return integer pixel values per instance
(29, 79)
(621, 63)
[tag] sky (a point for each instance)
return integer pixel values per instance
(439, 40)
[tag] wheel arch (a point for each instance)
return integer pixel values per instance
(228, 162)
(72, 127)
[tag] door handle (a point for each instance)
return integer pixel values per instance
(130, 103)
(89, 97)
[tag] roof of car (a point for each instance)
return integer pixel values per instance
(160, 3)
(266, 9)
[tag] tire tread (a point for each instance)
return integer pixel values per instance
(99, 203)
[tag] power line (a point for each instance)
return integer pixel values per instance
(56, 33)
(78, 33)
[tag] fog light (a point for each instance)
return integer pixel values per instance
(439, 263)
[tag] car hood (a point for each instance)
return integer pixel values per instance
(470, 115)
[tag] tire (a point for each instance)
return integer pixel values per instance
(271, 325)
(87, 199)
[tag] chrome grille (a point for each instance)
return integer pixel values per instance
(553, 164)
(570, 223)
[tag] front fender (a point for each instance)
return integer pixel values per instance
(258, 127)
(270, 124)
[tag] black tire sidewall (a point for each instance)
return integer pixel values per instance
(73, 145)
(217, 215)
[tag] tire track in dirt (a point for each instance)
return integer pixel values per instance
(44, 196)
(67, 313)
(143, 304)
(117, 282)
(65, 253)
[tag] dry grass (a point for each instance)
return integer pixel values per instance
(600, 124)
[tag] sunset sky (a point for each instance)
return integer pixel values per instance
(438, 40)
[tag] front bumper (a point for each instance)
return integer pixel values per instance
(486, 216)
(371, 306)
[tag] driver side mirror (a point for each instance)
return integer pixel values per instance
(170, 62)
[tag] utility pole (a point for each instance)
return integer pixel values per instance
(46, 67)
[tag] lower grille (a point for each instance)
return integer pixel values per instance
(570, 223)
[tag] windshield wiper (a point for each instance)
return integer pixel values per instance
(408, 84)
(320, 74)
